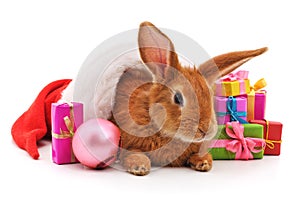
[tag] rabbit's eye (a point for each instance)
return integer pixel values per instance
(178, 99)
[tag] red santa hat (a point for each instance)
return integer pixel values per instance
(35, 123)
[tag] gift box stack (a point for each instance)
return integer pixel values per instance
(243, 133)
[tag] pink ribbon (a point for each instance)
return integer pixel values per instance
(239, 75)
(243, 147)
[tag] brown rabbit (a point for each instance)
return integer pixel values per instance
(164, 110)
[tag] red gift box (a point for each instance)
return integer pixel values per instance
(272, 136)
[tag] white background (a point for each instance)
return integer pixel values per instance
(44, 41)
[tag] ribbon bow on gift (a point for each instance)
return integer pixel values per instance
(69, 122)
(240, 75)
(232, 109)
(240, 145)
(235, 115)
(260, 84)
(243, 147)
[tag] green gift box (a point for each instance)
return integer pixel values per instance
(238, 141)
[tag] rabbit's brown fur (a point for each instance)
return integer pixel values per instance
(154, 129)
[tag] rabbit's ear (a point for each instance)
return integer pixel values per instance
(156, 50)
(223, 64)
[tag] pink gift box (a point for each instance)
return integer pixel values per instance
(65, 118)
(256, 105)
(223, 113)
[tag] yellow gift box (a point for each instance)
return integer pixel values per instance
(233, 84)
(232, 88)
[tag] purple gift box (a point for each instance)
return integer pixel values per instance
(65, 119)
(230, 109)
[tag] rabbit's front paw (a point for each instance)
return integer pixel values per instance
(137, 164)
(199, 163)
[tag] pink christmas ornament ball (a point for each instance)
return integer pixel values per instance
(96, 143)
